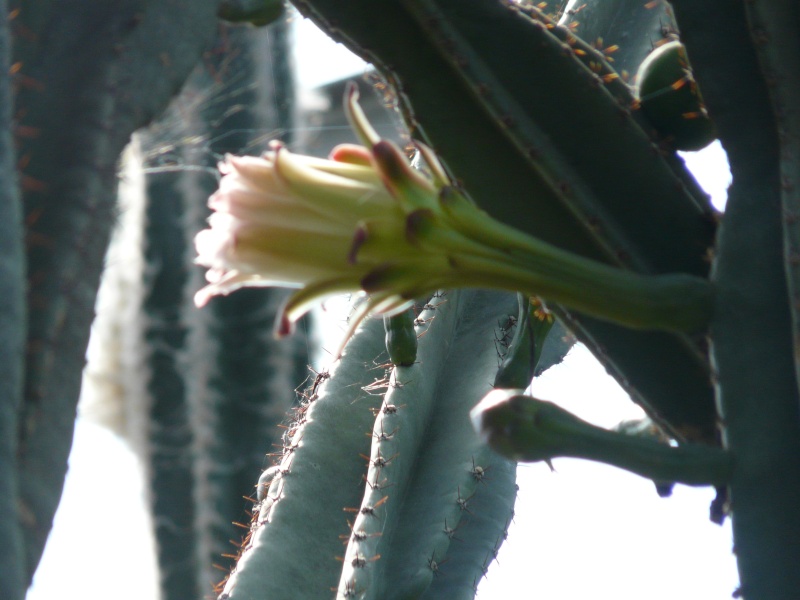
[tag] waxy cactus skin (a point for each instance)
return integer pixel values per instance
(540, 125)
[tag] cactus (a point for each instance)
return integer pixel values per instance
(458, 59)
(749, 112)
(538, 122)
(13, 570)
(425, 466)
(216, 384)
(85, 76)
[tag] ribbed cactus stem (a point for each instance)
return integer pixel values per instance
(756, 381)
(399, 430)
(519, 362)
(168, 452)
(772, 26)
(12, 337)
(219, 383)
(89, 75)
(296, 527)
(437, 502)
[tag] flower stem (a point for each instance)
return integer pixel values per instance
(674, 302)
(671, 302)
(527, 429)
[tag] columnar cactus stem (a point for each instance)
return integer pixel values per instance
(12, 337)
(168, 453)
(320, 475)
(218, 383)
(87, 75)
(773, 27)
(426, 464)
(756, 382)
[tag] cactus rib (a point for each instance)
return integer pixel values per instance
(320, 475)
(431, 465)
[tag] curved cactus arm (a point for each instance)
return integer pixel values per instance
(580, 154)
(296, 528)
(426, 466)
(586, 175)
(643, 26)
(12, 337)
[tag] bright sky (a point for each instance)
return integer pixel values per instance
(585, 531)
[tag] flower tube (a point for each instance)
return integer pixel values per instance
(364, 220)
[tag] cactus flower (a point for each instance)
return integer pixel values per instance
(364, 220)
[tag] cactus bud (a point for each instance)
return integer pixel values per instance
(670, 99)
(401, 338)
(523, 428)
